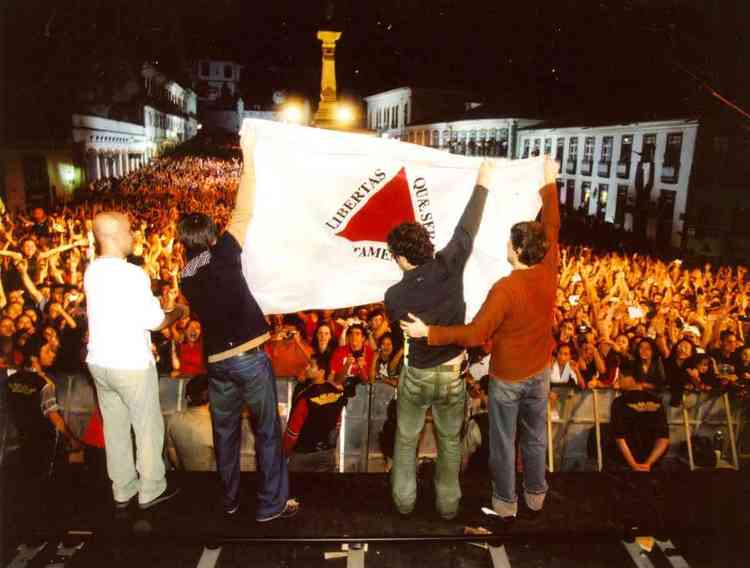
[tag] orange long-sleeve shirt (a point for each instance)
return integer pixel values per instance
(517, 314)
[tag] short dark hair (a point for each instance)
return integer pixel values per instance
(358, 326)
(529, 242)
(197, 232)
(411, 241)
(726, 334)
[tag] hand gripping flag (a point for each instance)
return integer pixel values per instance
(326, 201)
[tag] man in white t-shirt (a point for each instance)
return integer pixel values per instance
(121, 312)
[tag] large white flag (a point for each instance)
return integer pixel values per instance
(326, 200)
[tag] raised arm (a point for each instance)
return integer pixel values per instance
(245, 201)
(551, 211)
(458, 249)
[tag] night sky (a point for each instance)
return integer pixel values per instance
(553, 59)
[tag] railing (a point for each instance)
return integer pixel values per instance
(580, 414)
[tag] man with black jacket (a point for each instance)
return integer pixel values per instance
(234, 333)
(432, 288)
(315, 420)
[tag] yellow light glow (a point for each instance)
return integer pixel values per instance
(292, 113)
(344, 114)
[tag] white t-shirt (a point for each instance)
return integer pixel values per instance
(121, 311)
(561, 376)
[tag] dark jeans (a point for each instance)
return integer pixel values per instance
(248, 378)
(522, 403)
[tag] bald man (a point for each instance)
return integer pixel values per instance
(121, 313)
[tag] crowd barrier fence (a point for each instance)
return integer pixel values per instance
(580, 414)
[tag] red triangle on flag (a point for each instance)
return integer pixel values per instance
(389, 207)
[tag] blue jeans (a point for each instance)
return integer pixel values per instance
(131, 398)
(523, 403)
(442, 389)
(248, 378)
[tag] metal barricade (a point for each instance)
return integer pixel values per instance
(579, 414)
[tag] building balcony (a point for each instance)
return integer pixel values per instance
(670, 172)
(586, 167)
(623, 169)
(603, 169)
(570, 168)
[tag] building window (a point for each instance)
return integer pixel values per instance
(601, 204)
(502, 143)
(435, 139)
(649, 148)
(548, 146)
(585, 196)
(537, 145)
(205, 68)
(406, 114)
(394, 117)
(445, 139)
(572, 156)
(588, 155)
(670, 169)
(626, 152)
(560, 150)
(570, 193)
(621, 205)
(227, 71)
(525, 148)
(605, 161)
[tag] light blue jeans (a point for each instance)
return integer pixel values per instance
(523, 403)
(131, 399)
(442, 389)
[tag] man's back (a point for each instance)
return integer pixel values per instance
(434, 291)
(121, 310)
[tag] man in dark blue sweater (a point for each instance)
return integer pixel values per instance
(234, 333)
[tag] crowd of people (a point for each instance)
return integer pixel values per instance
(623, 321)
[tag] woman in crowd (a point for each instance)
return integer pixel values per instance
(323, 345)
(386, 366)
(649, 369)
(680, 369)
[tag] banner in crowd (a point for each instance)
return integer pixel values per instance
(326, 200)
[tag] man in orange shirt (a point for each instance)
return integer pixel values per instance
(518, 317)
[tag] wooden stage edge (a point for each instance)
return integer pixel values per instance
(356, 508)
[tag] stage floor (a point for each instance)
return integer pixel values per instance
(585, 518)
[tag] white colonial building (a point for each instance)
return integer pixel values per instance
(603, 169)
(114, 148)
(470, 137)
(390, 112)
(212, 78)
(110, 148)
(170, 112)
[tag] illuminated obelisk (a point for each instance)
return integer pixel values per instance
(325, 117)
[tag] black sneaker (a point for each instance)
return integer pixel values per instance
(169, 492)
(122, 505)
(291, 508)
